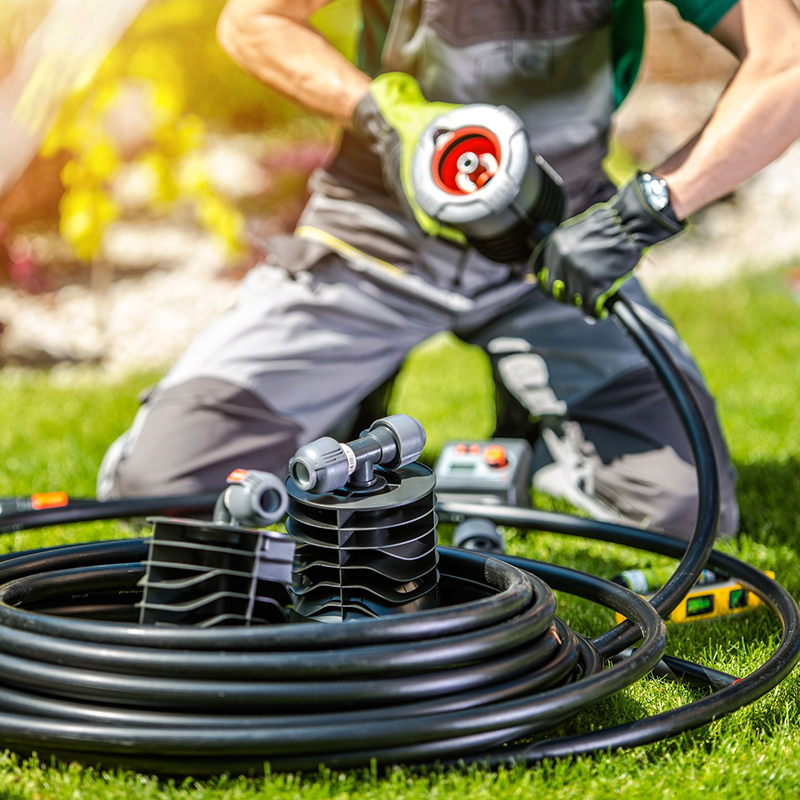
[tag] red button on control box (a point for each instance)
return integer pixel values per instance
(495, 456)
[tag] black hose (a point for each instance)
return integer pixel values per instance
(510, 673)
(84, 510)
(449, 684)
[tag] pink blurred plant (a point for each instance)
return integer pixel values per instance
(25, 272)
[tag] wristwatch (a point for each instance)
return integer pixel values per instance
(656, 193)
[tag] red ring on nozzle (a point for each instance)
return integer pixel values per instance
(452, 145)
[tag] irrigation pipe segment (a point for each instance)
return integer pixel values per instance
(447, 685)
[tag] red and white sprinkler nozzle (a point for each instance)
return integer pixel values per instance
(474, 170)
(465, 160)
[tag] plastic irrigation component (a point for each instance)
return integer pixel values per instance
(252, 498)
(366, 552)
(479, 534)
(203, 574)
(474, 170)
(493, 664)
(221, 573)
(326, 465)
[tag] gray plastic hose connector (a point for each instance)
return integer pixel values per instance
(257, 499)
(321, 466)
(408, 437)
(479, 534)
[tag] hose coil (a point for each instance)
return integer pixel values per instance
(492, 665)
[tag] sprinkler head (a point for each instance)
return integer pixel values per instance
(474, 170)
(465, 160)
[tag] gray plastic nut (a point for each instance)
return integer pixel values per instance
(479, 534)
(257, 499)
(320, 466)
(409, 439)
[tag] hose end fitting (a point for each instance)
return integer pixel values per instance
(252, 499)
(321, 466)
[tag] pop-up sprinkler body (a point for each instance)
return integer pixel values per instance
(362, 514)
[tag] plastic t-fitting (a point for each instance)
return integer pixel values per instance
(326, 465)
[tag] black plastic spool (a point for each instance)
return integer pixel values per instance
(209, 574)
(366, 553)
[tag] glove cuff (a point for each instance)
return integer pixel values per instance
(641, 221)
(382, 106)
(367, 122)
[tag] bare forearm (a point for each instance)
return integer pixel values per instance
(758, 116)
(757, 119)
(272, 40)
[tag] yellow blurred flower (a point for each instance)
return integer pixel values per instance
(85, 214)
(165, 190)
(224, 220)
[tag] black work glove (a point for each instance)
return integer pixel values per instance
(587, 258)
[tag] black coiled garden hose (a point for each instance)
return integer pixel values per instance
(451, 684)
(439, 684)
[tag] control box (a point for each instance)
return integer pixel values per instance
(494, 472)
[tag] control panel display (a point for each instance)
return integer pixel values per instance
(496, 472)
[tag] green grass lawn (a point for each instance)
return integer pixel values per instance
(55, 428)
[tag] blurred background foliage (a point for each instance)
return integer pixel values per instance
(152, 111)
(164, 169)
(18, 19)
(137, 136)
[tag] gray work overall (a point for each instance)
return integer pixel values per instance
(334, 310)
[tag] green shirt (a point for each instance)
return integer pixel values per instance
(628, 30)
